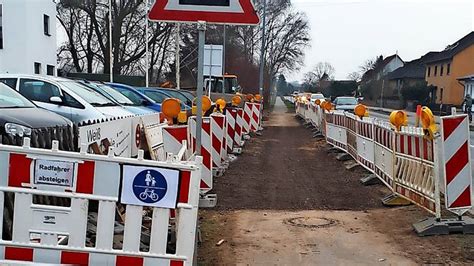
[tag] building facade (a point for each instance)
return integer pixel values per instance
(447, 66)
(28, 37)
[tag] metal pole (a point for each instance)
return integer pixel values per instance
(201, 26)
(178, 63)
(223, 59)
(111, 56)
(147, 69)
(262, 52)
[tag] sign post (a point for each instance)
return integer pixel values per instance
(232, 12)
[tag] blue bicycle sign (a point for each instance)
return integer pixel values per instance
(149, 186)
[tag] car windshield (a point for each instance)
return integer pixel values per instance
(155, 95)
(89, 95)
(117, 96)
(346, 101)
(177, 95)
(12, 99)
(317, 96)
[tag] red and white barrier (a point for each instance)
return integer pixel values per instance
(218, 136)
(234, 129)
(336, 130)
(230, 130)
(251, 117)
(173, 139)
(57, 234)
(456, 163)
(239, 126)
(383, 152)
(206, 150)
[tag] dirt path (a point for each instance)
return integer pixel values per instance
(286, 201)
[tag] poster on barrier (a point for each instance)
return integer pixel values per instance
(150, 187)
(99, 137)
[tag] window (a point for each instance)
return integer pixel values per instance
(71, 102)
(448, 69)
(1, 28)
(37, 68)
(46, 25)
(436, 71)
(441, 70)
(10, 82)
(50, 70)
(429, 71)
(37, 90)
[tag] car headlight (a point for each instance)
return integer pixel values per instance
(17, 130)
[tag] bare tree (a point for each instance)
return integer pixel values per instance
(87, 48)
(355, 76)
(323, 70)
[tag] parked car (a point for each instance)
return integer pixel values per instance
(184, 96)
(119, 98)
(19, 116)
(317, 96)
(65, 97)
(135, 96)
(346, 103)
(159, 95)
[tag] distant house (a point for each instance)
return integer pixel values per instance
(412, 74)
(445, 68)
(383, 68)
(468, 82)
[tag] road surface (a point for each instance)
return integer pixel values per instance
(286, 201)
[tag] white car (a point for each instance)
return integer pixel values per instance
(317, 96)
(65, 97)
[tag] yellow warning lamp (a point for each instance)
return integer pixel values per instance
(221, 104)
(171, 107)
(236, 100)
(327, 105)
(182, 117)
(206, 104)
(249, 97)
(398, 119)
(258, 97)
(360, 110)
(428, 122)
(317, 102)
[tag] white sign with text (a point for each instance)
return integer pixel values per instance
(54, 173)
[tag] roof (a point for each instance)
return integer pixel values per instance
(386, 61)
(414, 69)
(467, 78)
(453, 49)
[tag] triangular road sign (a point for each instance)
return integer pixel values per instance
(239, 12)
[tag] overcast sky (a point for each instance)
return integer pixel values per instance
(345, 33)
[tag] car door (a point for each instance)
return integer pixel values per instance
(41, 92)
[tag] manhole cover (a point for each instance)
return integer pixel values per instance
(311, 222)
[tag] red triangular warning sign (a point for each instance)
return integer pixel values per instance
(239, 12)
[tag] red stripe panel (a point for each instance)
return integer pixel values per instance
(464, 200)
(207, 127)
(184, 183)
(216, 143)
(417, 147)
(179, 133)
(219, 121)
(255, 117)
(176, 263)
(449, 125)
(85, 178)
(74, 258)
(246, 118)
(22, 254)
(19, 171)
(128, 261)
(425, 149)
(204, 185)
(402, 144)
(457, 163)
(409, 140)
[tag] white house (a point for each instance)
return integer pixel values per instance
(28, 37)
(389, 64)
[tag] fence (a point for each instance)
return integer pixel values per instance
(94, 186)
(403, 160)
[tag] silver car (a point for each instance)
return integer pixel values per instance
(346, 103)
(65, 97)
